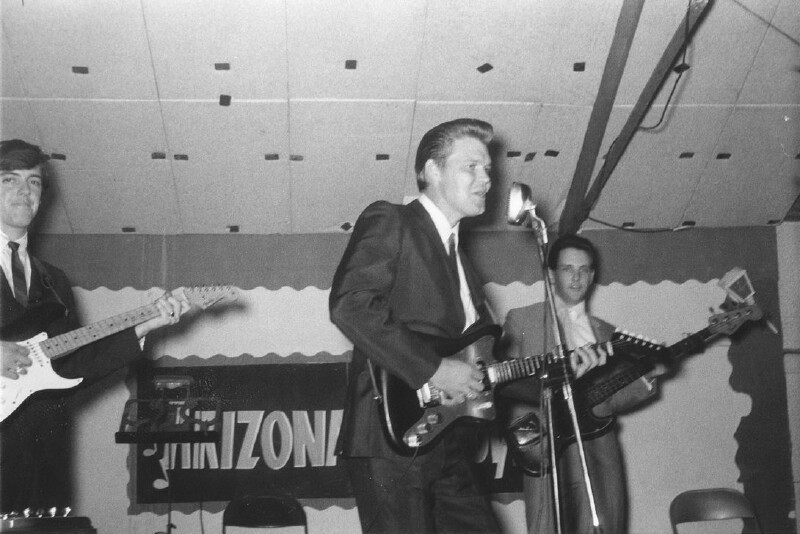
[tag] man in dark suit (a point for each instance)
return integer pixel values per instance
(394, 286)
(572, 263)
(35, 296)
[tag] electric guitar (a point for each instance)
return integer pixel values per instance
(634, 357)
(41, 376)
(413, 419)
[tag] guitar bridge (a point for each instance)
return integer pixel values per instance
(428, 396)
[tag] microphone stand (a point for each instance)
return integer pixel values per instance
(540, 228)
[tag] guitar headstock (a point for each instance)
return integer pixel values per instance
(729, 322)
(204, 296)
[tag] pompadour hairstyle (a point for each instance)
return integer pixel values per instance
(438, 141)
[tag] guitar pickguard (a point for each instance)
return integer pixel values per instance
(39, 376)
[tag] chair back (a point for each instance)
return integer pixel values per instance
(268, 511)
(712, 504)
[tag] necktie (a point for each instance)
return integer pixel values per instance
(18, 274)
(452, 259)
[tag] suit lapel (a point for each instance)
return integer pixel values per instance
(445, 281)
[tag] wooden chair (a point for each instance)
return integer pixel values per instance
(713, 504)
(265, 511)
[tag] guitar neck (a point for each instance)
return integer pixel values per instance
(61, 345)
(597, 393)
(518, 368)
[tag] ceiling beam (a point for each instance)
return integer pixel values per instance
(598, 121)
(581, 207)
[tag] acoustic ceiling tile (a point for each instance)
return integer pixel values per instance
(347, 155)
(101, 134)
(720, 55)
(759, 182)
(517, 51)
(80, 49)
(248, 196)
(146, 204)
(236, 47)
(659, 171)
(215, 134)
(9, 77)
(354, 49)
(774, 77)
(16, 120)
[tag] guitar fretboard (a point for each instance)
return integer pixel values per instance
(58, 346)
(516, 368)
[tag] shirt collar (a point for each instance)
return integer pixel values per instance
(573, 312)
(439, 219)
(23, 242)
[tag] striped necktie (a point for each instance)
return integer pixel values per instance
(452, 259)
(18, 274)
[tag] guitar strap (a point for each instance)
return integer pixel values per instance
(378, 396)
(47, 281)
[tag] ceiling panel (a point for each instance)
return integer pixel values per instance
(382, 38)
(51, 38)
(9, 77)
(532, 47)
(721, 53)
(750, 189)
(774, 77)
(230, 164)
(100, 134)
(17, 120)
(347, 155)
(139, 197)
(656, 178)
(235, 48)
(248, 195)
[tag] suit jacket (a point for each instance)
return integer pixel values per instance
(35, 440)
(393, 287)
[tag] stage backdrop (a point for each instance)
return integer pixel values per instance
(277, 366)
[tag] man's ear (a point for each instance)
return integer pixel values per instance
(432, 172)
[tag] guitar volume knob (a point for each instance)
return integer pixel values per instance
(434, 419)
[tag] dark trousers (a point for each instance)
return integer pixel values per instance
(436, 492)
(604, 461)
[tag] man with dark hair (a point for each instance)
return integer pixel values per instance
(394, 289)
(35, 438)
(572, 263)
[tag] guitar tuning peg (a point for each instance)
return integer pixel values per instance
(52, 512)
(67, 510)
(26, 512)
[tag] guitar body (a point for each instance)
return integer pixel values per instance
(40, 375)
(527, 433)
(42, 349)
(526, 428)
(414, 419)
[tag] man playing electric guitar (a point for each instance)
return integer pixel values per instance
(35, 445)
(572, 264)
